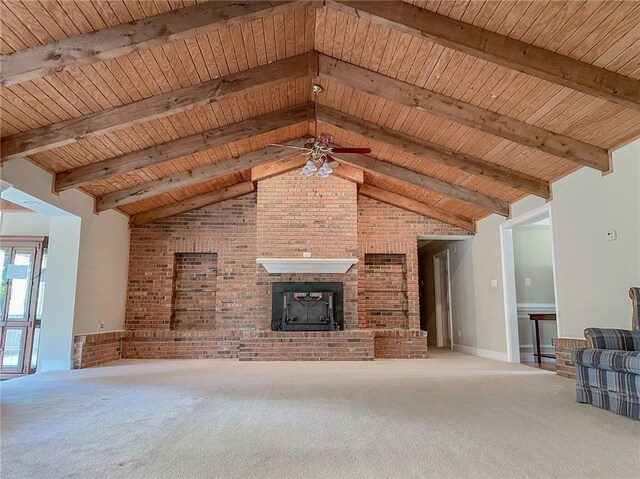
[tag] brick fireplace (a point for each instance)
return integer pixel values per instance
(196, 291)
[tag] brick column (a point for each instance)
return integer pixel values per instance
(563, 346)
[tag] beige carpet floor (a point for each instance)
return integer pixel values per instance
(452, 416)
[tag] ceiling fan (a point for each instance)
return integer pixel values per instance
(321, 161)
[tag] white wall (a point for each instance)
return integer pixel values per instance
(489, 338)
(59, 301)
(533, 260)
(593, 274)
(102, 273)
(102, 254)
(24, 224)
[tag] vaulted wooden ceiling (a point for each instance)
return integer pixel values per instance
(466, 105)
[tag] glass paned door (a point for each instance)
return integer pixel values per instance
(5, 259)
(20, 284)
(12, 355)
(21, 261)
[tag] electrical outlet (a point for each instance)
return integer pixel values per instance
(100, 325)
(306, 254)
(459, 333)
(494, 283)
(612, 235)
(527, 281)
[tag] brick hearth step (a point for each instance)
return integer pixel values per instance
(350, 345)
(307, 346)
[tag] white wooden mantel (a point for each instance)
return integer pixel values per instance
(307, 265)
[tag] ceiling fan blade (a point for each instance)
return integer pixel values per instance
(338, 149)
(289, 146)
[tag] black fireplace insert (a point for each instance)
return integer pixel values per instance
(307, 307)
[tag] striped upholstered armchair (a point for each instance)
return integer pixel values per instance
(608, 371)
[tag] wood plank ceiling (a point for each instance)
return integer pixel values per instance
(457, 130)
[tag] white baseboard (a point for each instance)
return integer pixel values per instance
(49, 365)
(484, 353)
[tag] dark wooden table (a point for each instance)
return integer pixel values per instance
(536, 318)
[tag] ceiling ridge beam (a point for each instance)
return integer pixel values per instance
(420, 180)
(418, 207)
(153, 155)
(192, 203)
(158, 106)
(119, 40)
(421, 148)
(193, 176)
(499, 49)
(464, 113)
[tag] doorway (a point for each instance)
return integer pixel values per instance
(40, 244)
(442, 286)
(529, 288)
(22, 263)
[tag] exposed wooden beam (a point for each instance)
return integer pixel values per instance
(70, 131)
(499, 49)
(194, 176)
(423, 181)
(280, 167)
(192, 203)
(464, 113)
(418, 207)
(421, 148)
(276, 168)
(130, 37)
(349, 172)
(177, 148)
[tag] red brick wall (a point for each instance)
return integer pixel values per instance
(565, 367)
(385, 291)
(400, 344)
(228, 229)
(385, 229)
(181, 344)
(298, 214)
(307, 346)
(288, 216)
(194, 291)
(97, 348)
(317, 215)
(249, 345)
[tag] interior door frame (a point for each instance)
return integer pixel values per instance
(509, 276)
(439, 258)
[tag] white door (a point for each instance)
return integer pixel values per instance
(443, 302)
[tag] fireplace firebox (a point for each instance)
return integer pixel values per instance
(307, 307)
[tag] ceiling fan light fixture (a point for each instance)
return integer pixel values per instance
(325, 169)
(310, 166)
(306, 173)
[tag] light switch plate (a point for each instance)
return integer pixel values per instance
(494, 283)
